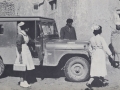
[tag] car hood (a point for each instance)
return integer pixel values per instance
(66, 44)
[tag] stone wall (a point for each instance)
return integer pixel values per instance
(21, 8)
(75, 9)
(85, 13)
(103, 14)
(7, 8)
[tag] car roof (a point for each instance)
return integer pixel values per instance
(24, 18)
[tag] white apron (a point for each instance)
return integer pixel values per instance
(98, 47)
(26, 54)
(98, 63)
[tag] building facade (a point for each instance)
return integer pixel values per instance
(85, 13)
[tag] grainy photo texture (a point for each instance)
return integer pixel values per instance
(59, 44)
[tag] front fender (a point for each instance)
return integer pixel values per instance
(58, 54)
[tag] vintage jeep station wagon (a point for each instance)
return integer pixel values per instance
(70, 55)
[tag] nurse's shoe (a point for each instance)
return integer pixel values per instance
(89, 86)
(26, 83)
(22, 84)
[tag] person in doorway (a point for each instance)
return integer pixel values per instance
(97, 49)
(23, 53)
(68, 31)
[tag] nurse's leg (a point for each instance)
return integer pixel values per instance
(90, 80)
(89, 83)
(25, 79)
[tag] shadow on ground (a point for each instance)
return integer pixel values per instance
(39, 72)
(98, 83)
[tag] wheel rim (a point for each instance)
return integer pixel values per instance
(77, 69)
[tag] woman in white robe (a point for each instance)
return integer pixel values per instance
(98, 49)
(23, 53)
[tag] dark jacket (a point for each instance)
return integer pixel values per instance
(68, 33)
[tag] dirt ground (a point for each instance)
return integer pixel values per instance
(46, 78)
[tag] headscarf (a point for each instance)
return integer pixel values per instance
(19, 26)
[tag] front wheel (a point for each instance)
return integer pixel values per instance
(77, 69)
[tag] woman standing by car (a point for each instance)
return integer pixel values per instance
(23, 53)
(97, 48)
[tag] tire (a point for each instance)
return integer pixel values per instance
(2, 67)
(77, 69)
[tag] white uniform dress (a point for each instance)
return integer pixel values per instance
(97, 48)
(26, 54)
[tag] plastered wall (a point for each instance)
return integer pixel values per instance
(85, 13)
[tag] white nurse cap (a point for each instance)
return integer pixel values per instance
(95, 27)
(21, 24)
(117, 23)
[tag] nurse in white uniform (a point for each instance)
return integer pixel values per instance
(23, 52)
(98, 49)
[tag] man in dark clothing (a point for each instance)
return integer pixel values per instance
(68, 31)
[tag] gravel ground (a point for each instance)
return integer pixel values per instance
(54, 81)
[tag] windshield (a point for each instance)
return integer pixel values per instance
(48, 30)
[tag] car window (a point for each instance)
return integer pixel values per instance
(48, 29)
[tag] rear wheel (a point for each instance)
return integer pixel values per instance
(77, 69)
(2, 67)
